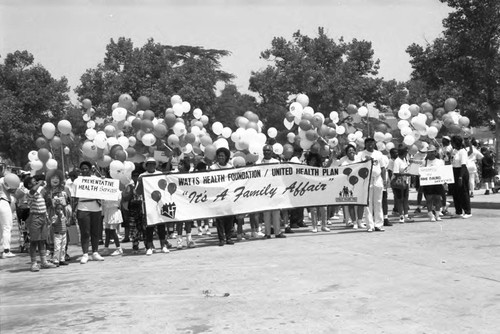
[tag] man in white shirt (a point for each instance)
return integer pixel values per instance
(373, 211)
(271, 215)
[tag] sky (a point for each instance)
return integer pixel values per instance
(69, 36)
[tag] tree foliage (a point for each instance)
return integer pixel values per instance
(332, 74)
(464, 62)
(29, 97)
(156, 71)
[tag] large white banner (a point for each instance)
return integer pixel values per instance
(436, 175)
(179, 197)
(93, 187)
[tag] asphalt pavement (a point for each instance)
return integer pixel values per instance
(420, 277)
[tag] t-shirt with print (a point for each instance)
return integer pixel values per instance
(378, 164)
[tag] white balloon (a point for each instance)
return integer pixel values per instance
(90, 134)
(178, 109)
(409, 140)
(358, 134)
(197, 113)
(100, 140)
(363, 111)
(132, 141)
(175, 99)
(288, 125)
(303, 99)
(148, 139)
(388, 137)
(36, 165)
(272, 132)
(187, 149)
(119, 114)
(33, 156)
(340, 129)
(90, 124)
(186, 106)
(123, 141)
(389, 146)
(51, 164)
(278, 148)
(309, 110)
(217, 128)
(296, 109)
(406, 131)
(179, 129)
(226, 132)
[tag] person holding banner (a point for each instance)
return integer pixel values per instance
(271, 215)
(460, 189)
(184, 167)
(352, 212)
(319, 212)
(224, 224)
(374, 215)
(88, 215)
(433, 192)
(150, 166)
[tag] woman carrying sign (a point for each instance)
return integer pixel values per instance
(88, 215)
(433, 192)
(401, 192)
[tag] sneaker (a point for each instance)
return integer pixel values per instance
(7, 255)
(431, 217)
(409, 219)
(267, 236)
(97, 257)
(55, 262)
(165, 249)
(191, 244)
(325, 229)
(261, 235)
(35, 267)
(118, 251)
(379, 229)
(401, 219)
(67, 257)
(387, 222)
(207, 232)
(314, 230)
(179, 243)
(355, 226)
(281, 235)
(149, 252)
(84, 259)
(349, 223)
(63, 263)
(466, 215)
(231, 242)
(335, 217)
(438, 219)
(47, 265)
(370, 230)
(289, 230)
(240, 237)
(362, 225)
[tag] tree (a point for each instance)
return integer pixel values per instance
(156, 71)
(231, 104)
(332, 74)
(29, 97)
(464, 62)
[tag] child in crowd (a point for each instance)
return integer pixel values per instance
(487, 169)
(112, 219)
(433, 192)
(37, 223)
(135, 217)
(60, 223)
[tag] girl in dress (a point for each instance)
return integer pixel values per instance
(112, 219)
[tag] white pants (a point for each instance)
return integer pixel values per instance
(275, 216)
(374, 216)
(5, 223)
(60, 241)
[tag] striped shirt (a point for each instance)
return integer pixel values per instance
(36, 203)
(59, 224)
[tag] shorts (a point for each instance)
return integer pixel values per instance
(38, 228)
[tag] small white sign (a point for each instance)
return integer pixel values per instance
(436, 175)
(93, 187)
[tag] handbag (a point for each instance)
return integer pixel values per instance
(398, 182)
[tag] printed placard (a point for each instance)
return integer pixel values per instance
(93, 187)
(436, 175)
(180, 197)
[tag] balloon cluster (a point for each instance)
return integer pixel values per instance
(42, 159)
(419, 124)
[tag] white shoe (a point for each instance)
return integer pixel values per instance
(438, 218)
(179, 243)
(325, 229)
(97, 257)
(191, 244)
(84, 259)
(465, 215)
(314, 230)
(118, 251)
(260, 234)
(7, 255)
(335, 217)
(432, 217)
(165, 249)
(355, 226)
(200, 230)
(149, 251)
(207, 232)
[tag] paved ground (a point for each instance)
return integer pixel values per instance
(417, 277)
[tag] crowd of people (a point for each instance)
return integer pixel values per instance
(46, 205)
